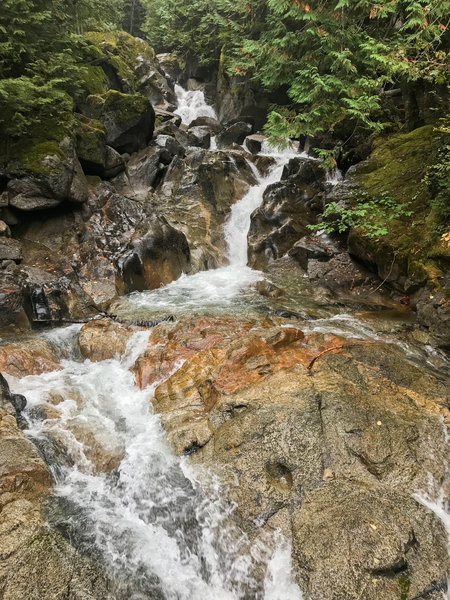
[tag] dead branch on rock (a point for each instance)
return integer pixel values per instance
(104, 315)
(341, 347)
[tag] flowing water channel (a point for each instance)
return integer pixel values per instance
(149, 520)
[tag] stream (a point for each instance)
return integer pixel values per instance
(160, 526)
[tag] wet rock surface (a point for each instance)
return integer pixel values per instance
(341, 447)
(27, 545)
(102, 340)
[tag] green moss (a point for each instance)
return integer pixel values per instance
(94, 79)
(125, 107)
(397, 166)
(90, 136)
(44, 139)
(123, 52)
(403, 585)
(31, 153)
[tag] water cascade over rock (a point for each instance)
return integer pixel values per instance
(283, 437)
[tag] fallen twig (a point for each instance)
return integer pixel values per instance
(114, 318)
(341, 347)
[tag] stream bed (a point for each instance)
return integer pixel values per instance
(162, 526)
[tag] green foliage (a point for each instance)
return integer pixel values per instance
(332, 58)
(370, 214)
(41, 62)
(25, 104)
(437, 179)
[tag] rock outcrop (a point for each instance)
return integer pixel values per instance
(332, 454)
(37, 562)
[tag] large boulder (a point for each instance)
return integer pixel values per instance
(304, 171)
(130, 65)
(234, 134)
(280, 221)
(254, 142)
(147, 167)
(128, 119)
(103, 339)
(44, 175)
(201, 136)
(212, 124)
(330, 452)
(159, 254)
(30, 358)
(96, 157)
(196, 196)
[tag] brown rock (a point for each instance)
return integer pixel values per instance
(342, 447)
(103, 339)
(4, 230)
(32, 357)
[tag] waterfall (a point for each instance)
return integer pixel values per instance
(224, 285)
(148, 520)
(192, 104)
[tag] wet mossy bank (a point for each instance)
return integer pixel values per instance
(413, 256)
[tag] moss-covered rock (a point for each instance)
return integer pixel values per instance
(128, 119)
(129, 64)
(397, 166)
(413, 255)
(40, 173)
(94, 79)
(91, 140)
(96, 157)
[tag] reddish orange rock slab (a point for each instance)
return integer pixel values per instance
(32, 357)
(171, 344)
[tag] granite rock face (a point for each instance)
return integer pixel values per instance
(331, 454)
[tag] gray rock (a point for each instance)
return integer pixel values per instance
(129, 119)
(164, 115)
(304, 170)
(10, 250)
(159, 254)
(170, 144)
(235, 134)
(170, 129)
(212, 124)
(279, 223)
(314, 250)
(201, 136)
(254, 142)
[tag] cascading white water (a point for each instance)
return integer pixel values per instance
(220, 286)
(148, 520)
(192, 104)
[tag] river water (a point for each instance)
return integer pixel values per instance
(150, 520)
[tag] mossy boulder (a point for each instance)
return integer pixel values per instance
(42, 173)
(128, 119)
(96, 157)
(413, 256)
(129, 64)
(410, 249)
(94, 79)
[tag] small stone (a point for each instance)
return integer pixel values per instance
(4, 229)
(372, 526)
(328, 475)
